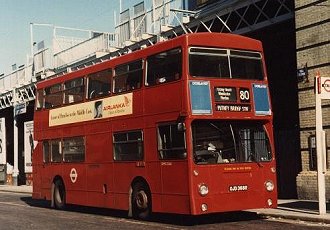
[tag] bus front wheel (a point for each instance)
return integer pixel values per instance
(59, 194)
(141, 201)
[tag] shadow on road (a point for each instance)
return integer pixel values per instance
(302, 206)
(186, 220)
(173, 219)
(35, 203)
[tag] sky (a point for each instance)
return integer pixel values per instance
(16, 16)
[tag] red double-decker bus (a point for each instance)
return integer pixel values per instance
(183, 126)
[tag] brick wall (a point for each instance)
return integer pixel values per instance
(313, 50)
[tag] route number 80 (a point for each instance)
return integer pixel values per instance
(244, 95)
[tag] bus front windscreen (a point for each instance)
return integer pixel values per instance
(225, 63)
(221, 142)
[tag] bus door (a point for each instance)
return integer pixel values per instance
(173, 167)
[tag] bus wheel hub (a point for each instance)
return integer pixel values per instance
(141, 200)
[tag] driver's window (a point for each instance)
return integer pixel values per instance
(213, 143)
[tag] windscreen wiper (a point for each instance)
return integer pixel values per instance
(254, 159)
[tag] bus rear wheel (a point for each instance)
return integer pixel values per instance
(59, 194)
(141, 201)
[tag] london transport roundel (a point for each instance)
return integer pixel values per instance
(73, 175)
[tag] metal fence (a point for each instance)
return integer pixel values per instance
(98, 45)
(19, 77)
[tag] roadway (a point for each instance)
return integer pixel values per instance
(20, 211)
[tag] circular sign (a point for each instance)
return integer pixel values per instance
(326, 85)
(73, 175)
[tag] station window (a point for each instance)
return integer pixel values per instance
(74, 149)
(171, 142)
(99, 84)
(73, 91)
(128, 146)
(53, 96)
(164, 67)
(128, 76)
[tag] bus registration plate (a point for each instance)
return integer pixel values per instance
(238, 188)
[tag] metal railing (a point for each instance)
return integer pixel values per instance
(19, 77)
(150, 22)
(99, 45)
(43, 60)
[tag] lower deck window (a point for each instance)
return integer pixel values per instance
(171, 142)
(128, 146)
(46, 151)
(67, 150)
(52, 151)
(74, 149)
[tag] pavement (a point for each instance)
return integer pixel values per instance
(303, 210)
(17, 189)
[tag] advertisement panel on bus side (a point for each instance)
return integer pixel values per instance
(104, 108)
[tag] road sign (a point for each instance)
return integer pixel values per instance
(20, 108)
(322, 92)
(323, 87)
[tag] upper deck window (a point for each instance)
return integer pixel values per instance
(128, 76)
(224, 63)
(53, 96)
(40, 99)
(99, 84)
(164, 67)
(74, 91)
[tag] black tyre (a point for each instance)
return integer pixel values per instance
(59, 194)
(141, 201)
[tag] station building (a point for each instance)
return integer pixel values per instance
(295, 36)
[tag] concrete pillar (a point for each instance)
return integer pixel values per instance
(15, 169)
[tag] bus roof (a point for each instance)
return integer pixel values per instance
(224, 40)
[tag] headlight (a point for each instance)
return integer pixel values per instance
(203, 189)
(269, 186)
